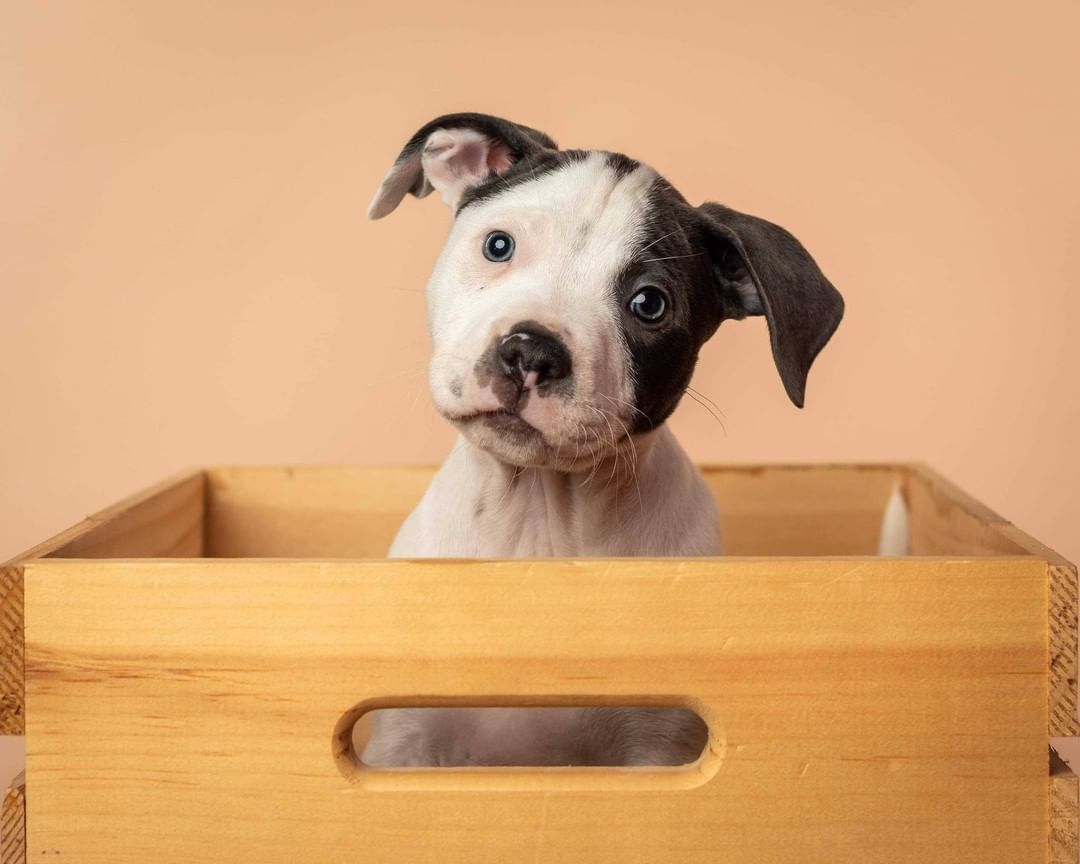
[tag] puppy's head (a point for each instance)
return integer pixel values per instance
(577, 287)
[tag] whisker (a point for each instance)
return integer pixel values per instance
(599, 449)
(673, 257)
(707, 399)
(614, 445)
(596, 465)
(633, 463)
(506, 492)
(418, 391)
(712, 413)
(658, 239)
(628, 405)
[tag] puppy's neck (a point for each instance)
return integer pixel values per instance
(647, 500)
(616, 474)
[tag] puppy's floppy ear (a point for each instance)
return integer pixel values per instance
(453, 153)
(762, 270)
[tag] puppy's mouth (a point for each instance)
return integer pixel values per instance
(502, 421)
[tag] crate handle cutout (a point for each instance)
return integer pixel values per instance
(486, 732)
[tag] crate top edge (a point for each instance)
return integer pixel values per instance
(204, 476)
(724, 560)
(172, 482)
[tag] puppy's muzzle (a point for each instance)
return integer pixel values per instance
(532, 357)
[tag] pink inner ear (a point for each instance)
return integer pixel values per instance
(455, 159)
(499, 159)
(466, 159)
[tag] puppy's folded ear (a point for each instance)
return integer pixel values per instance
(454, 153)
(762, 270)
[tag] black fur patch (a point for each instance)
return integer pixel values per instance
(714, 263)
(622, 165)
(672, 259)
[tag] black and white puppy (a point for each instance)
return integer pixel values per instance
(566, 315)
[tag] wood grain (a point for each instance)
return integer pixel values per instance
(164, 520)
(805, 510)
(1062, 847)
(11, 649)
(309, 511)
(801, 509)
(1061, 689)
(945, 520)
(869, 710)
(13, 825)
(1063, 599)
(354, 511)
(350, 512)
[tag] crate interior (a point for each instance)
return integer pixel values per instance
(354, 511)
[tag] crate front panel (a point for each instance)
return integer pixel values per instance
(862, 710)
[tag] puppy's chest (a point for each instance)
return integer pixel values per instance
(533, 520)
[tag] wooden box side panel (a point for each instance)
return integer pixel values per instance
(861, 709)
(1061, 840)
(1062, 684)
(801, 510)
(11, 650)
(165, 520)
(309, 511)
(13, 826)
(945, 520)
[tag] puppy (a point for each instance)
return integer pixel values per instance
(566, 314)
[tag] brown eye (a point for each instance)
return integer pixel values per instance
(648, 305)
(498, 247)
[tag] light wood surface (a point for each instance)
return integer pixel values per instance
(354, 511)
(1062, 847)
(11, 650)
(866, 710)
(801, 509)
(164, 520)
(162, 664)
(13, 825)
(945, 520)
(1061, 687)
(309, 511)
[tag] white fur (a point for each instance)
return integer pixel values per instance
(895, 536)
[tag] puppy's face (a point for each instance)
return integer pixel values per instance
(551, 308)
(577, 287)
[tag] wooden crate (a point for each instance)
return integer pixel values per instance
(193, 655)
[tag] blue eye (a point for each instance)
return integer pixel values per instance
(498, 247)
(648, 305)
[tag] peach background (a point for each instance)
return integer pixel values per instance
(186, 276)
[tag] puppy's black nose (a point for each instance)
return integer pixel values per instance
(533, 356)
